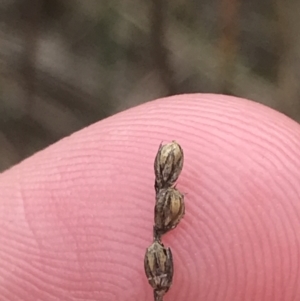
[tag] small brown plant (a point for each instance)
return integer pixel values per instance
(169, 210)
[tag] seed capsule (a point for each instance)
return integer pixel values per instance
(167, 165)
(169, 210)
(158, 265)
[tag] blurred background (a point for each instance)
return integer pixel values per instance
(65, 64)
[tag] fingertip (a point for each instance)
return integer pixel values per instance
(84, 206)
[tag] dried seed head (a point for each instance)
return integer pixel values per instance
(169, 210)
(159, 268)
(167, 165)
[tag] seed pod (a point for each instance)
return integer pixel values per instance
(169, 210)
(158, 265)
(167, 165)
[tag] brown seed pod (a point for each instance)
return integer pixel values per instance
(167, 165)
(169, 210)
(158, 265)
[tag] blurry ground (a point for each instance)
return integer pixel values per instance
(65, 64)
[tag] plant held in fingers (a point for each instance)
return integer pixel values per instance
(168, 211)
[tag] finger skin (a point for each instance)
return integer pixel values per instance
(76, 218)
